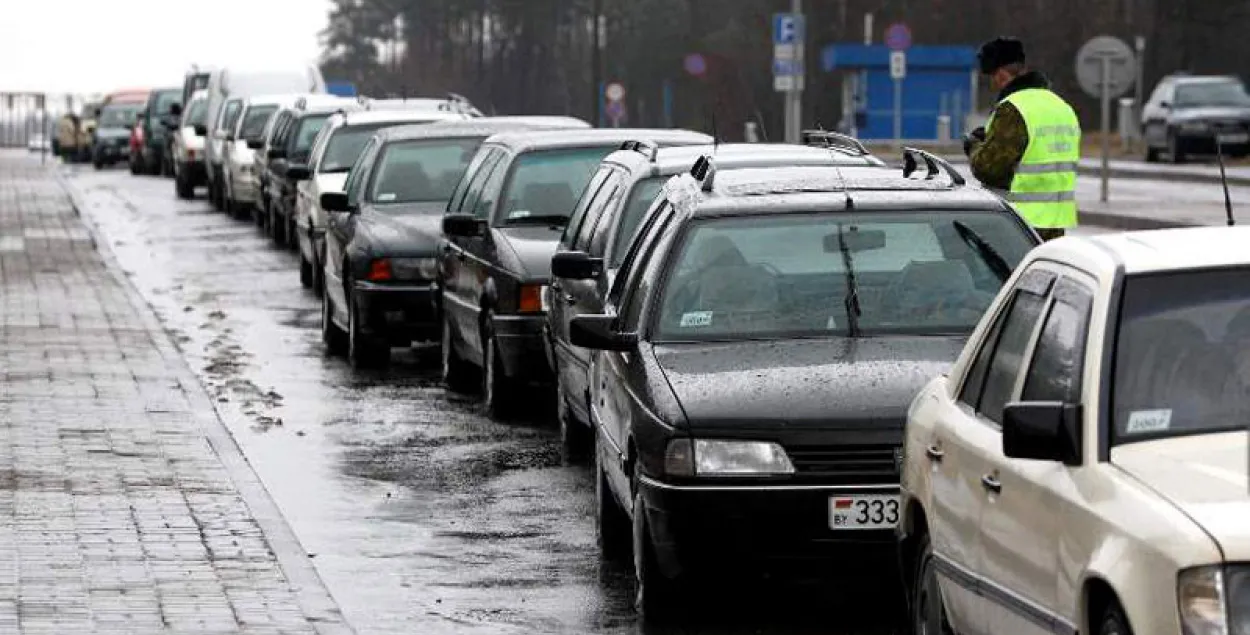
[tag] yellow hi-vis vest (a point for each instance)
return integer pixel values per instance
(1044, 187)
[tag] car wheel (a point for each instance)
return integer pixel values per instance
(305, 271)
(333, 336)
(98, 164)
(657, 595)
(183, 187)
(611, 524)
(458, 374)
(363, 351)
(292, 242)
(1114, 622)
(276, 227)
(1175, 151)
(573, 433)
(318, 275)
(135, 167)
(498, 392)
(928, 611)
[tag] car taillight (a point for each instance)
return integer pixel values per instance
(380, 270)
(531, 299)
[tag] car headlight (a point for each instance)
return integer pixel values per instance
(709, 457)
(1194, 126)
(1200, 593)
(414, 268)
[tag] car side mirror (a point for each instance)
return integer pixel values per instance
(175, 110)
(598, 332)
(1166, 105)
(576, 265)
(201, 130)
(464, 226)
(276, 153)
(298, 172)
(1042, 431)
(255, 144)
(335, 202)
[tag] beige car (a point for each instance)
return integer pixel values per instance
(1082, 466)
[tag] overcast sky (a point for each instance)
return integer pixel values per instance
(86, 46)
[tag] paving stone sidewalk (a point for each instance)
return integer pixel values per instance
(124, 505)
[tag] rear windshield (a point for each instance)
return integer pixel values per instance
(1183, 354)
(301, 143)
(422, 171)
(761, 277)
(346, 145)
(640, 201)
(545, 185)
(254, 121)
(119, 116)
(197, 114)
(164, 100)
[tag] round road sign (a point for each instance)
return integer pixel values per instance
(898, 37)
(695, 64)
(614, 92)
(1121, 66)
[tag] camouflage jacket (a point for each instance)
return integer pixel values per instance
(994, 160)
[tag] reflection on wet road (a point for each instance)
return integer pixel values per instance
(422, 516)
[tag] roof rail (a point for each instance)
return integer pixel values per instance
(704, 171)
(834, 140)
(646, 148)
(933, 162)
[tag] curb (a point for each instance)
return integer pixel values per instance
(314, 598)
(1127, 222)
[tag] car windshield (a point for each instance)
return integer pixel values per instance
(768, 277)
(545, 184)
(422, 171)
(119, 116)
(1205, 94)
(197, 114)
(307, 133)
(254, 121)
(231, 114)
(1183, 354)
(165, 99)
(347, 144)
(640, 201)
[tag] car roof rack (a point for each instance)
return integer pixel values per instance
(932, 162)
(646, 148)
(834, 141)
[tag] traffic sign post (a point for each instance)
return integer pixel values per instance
(898, 38)
(789, 39)
(615, 108)
(1106, 68)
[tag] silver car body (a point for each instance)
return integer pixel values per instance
(188, 146)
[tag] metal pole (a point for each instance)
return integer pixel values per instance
(1106, 126)
(596, 64)
(794, 96)
(898, 112)
(1138, 90)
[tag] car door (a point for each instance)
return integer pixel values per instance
(1021, 526)
(1154, 115)
(963, 445)
(340, 229)
(463, 271)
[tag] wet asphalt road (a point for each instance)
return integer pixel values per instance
(421, 515)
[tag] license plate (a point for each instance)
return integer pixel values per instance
(1234, 138)
(863, 511)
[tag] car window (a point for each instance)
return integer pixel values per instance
(1211, 94)
(230, 114)
(345, 145)
(355, 178)
(495, 162)
(282, 131)
(1059, 358)
(1008, 356)
(753, 276)
(600, 232)
(164, 100)
(583, 203)
(660, 211)
(638, 280)
(254, 121)
(118, 116)
(197, 114)
(545, 184)
(1182, 354)
(640, 199)
(483, 157)
(602, 202)
(300, 143)
(491, 187)
(421, 171)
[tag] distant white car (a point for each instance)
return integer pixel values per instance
(38, 143)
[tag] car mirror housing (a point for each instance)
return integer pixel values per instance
(463, 226)
(335, 202)
(1166, 105)
(1042, 431)
(201, 130)
(576, 265)
(276, 153)
(598, 332)
(255, 144)
(298, 172)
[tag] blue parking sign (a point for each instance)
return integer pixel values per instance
(787, 28)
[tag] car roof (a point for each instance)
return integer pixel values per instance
(445, 104)
(399, 116)
(1205, 79)
(1162, 250)
(482, 127)
(539, 140)
(675, 160)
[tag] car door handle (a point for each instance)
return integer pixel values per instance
(992, 484)
(934, 452)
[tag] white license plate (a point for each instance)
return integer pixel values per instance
(1234, 138)
(863, 511)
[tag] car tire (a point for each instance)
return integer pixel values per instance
(183, 187)
(305, 272)
(656, 595)
(612, 525)
(499, 394)
(135, 167)
(458, 375)
(98, 164)
(292, 240)
(363, 351)
(1114, 622)
(928, 613)
(331, 335)
(1176, 153)
(573, 433)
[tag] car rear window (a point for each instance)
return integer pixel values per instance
(305, 135)
(254, 121)
(545, 184)
(164, 100)
(779, 276)
(347, 144)
(422, 171)
(118, 116)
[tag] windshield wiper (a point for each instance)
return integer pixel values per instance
(992, 258)
(853, 310)
(548, 219)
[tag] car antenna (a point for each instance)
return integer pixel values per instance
(1228, 201)
(715, 133)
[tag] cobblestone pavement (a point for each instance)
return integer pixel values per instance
(125, 507)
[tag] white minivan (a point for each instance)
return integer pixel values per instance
(225, 83)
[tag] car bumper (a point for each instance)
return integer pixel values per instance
(244, 188)
(400, 313)
(522, 349)
(1204, 142)
(709, 526)
(112, 152)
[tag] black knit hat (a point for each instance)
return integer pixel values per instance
(1000, 52)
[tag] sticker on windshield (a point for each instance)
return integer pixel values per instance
(696, 318)
(387, 197)
(1143, 421)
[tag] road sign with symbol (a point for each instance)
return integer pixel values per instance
(898, 65)
(898, 37)
(788, 46)
(1121, 71)
(615, 92)
(788, 28)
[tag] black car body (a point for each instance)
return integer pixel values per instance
(157, 121)
(599, 233)
(1187, 114)
(503, 223)
(383, 237)
(757, 354)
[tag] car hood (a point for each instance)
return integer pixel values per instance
(406, 230)
(1204, 476)
(331, 181)
(833, 382)
(531, 248)
(1211, 113)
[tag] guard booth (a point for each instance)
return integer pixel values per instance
(941, 83)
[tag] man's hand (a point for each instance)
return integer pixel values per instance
(972, 139)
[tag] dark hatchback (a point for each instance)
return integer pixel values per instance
(159, 119)
(759, 349)
(503, 223)
(599, 233)
(292, 146)
(384, 233)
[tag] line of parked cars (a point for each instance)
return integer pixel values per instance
(773, 353)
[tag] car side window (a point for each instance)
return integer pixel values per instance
(1059, 358)
(638, 283)
(632, 260)
(601, 232)
(492, 184)
(583, 203)
(455, 204)
(596, 210)
(1008, 358)
(356, 178)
